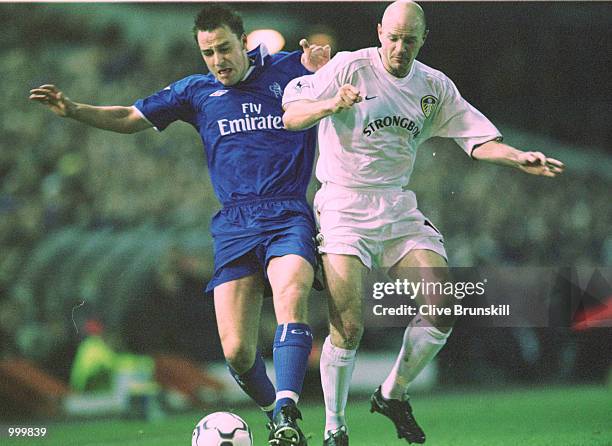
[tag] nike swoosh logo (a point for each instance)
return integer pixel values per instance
(367, 98)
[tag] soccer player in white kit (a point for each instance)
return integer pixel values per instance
(374, 107)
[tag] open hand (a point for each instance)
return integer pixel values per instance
(536, 163)
(52, 97)
(315, 56)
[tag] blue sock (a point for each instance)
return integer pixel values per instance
(257, 385)
(292, 345)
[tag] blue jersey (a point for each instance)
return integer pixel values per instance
(249, 154)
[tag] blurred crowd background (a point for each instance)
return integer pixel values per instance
(114, 228)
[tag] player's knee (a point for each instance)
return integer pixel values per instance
(291, 302)
(293, 291)
(239, 355)
(442, 323)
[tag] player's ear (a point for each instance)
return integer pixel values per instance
(243, 39)
(425, 34)
(380, 32)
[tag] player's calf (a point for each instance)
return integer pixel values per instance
(346, 334)
(256, 384)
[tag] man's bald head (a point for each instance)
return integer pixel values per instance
(402, 33)
(404, 13)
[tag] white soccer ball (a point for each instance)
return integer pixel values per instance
(222, 429)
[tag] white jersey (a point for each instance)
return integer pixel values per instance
(374, 143)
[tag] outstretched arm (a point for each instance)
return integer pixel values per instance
(534, 163)
(114, 118)
(300, 115)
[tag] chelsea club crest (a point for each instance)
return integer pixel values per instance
(276, 89)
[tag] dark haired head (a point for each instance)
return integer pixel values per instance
(216, 15)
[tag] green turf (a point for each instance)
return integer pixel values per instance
(579, 416)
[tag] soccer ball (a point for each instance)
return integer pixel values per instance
(222, 429)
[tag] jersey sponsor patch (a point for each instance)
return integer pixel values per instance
(392, 121)
(218, 93)
(428, 104)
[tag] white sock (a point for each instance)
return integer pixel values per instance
(420, 346)
(337, 366)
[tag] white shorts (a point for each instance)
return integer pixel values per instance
(380, 226)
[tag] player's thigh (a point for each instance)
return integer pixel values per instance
(428, 267)
(424, 265)
(345, 275)
(291, 278)
(238, 310)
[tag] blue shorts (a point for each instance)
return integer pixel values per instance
(247, 235)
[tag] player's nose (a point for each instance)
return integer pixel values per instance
(402, 48)
(401, 53)
(217, 60)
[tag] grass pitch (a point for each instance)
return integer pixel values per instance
(576, 416)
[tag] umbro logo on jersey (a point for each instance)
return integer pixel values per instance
(218, 93)
(428, 104)
(368, 98)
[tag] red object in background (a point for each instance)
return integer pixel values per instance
(93, 327)
(600, 316)
(182, 374)
(30, 388)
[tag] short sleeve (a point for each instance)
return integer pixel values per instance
(321, 85)
(458, 119)
(298, 89)
(173, 103)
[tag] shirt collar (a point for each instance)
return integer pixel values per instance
(257, 56)
(257, 59)
(381, 67)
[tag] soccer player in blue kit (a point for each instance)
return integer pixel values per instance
(260, 173)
